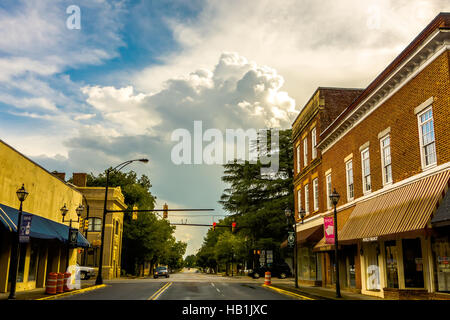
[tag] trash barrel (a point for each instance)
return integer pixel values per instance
(50, 287)
(60, 283)
(268, 278)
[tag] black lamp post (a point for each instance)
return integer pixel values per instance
(64, 211)
(86, 230)
(119, 167)
(291, 219)
(334, 197)
(21, 195)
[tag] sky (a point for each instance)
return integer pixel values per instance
(116, 88)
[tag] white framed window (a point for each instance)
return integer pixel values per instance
(349, 175)
(314, 143)
(365, 161)
(306, 187)
(298, 158)
(305, 151)
(328, 181)
(426, 137)
(385, 145)
(95, 224)
(316, 194)
(299, 199)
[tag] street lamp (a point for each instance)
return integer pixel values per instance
(119, 167)
(64, 211)
(21, 195)
(291, 219)
(334, 197)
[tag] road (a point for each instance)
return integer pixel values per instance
(183, 286)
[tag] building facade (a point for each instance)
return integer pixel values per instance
(93, 197)
(47, 251)
(388, 156)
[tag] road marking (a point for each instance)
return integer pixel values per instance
(288, 293)
(213, 284)
(70, 293)
(218, 290)
(160, 291)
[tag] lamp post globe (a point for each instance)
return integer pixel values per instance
(64, 210)
(79, 210)
(302, 213)
(22, 193)
(287, 212)
(334, 197)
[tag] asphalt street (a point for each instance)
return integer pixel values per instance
(183, 286)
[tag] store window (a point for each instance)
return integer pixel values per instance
(441, 255)
(391, 264)
(34, 260)
(22, 256)
(371, 251)
(95, 224)
(308, 264)
(413, 263)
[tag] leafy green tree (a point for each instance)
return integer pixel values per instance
(190, 261)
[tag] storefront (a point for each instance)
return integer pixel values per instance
(309, 263)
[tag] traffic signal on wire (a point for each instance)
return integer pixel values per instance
(165, 212)
(214, 226)
(80, 223)
(233, 226)
(86, 224)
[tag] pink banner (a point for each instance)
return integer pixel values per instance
(328, 229)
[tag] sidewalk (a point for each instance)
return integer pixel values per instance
(323, 293)
(40, 292)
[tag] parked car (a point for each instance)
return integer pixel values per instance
(161, 272)
(86, 272)
(280, 270)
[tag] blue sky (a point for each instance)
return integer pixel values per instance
(83, 100)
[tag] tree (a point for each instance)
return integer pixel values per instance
(190, 261)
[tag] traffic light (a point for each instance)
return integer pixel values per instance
(86, 224)
(214, 226)
(165, 212)
(80, 223)
(233, 227)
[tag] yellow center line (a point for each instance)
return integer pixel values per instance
(292, 294)
(160, 291)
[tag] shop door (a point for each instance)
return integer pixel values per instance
(441, 250)
(372, 267)
(413, 263)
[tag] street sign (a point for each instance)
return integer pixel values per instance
(25, 228)
(291, 239)
(269, 256)
(328, 228)
(262, 257)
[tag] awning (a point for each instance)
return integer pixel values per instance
(310, 235)
(41, 228)
(442, 215)
(404, 209)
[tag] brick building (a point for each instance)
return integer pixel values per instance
(388, 155)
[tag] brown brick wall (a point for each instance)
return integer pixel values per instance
(398, 114)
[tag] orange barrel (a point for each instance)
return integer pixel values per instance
(268, 278)
(66, 281)
(52, 278)
(60, 283)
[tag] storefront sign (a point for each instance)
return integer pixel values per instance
(328, 229)
(73, 236)
(291, 239)
(370, 239)
(25, 228)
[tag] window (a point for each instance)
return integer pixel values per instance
(350, 187)
(426, 137)
(34, 259)
(306, 199)
(314, 143)
(299, 199)
(328, 180)
(95, 224)
(305, 152)
(413, 263)
(386, 159)
(366, 170)
(298, 158)
(391, 264)
(316, 194)
(117, 227)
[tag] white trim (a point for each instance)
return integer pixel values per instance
(384, 133)
(364, 146)
(307, 208)
(346, 180)
(375, 93)
(383, 177)
(313, 143)
(362, 171)
(315, 184)
(305, 151)
(329, 205)
(349, 157)
(423, 105)
(422, 154)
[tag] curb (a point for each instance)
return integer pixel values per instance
(70, 293)
(288, 293)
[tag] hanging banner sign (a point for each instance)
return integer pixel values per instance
(25, 228)
(328, 229)
(291, 239)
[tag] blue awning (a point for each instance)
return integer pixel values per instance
(41, 227)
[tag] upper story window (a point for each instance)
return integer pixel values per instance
(117, 227)
(306, 198)
(426, 135)
(349, 174)
(305, 152)
(95, 224)
(299, 199)
(298, 158)
(314, 143)
(316, 194)
(328, 181)
(386, 159)
(367, 185)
